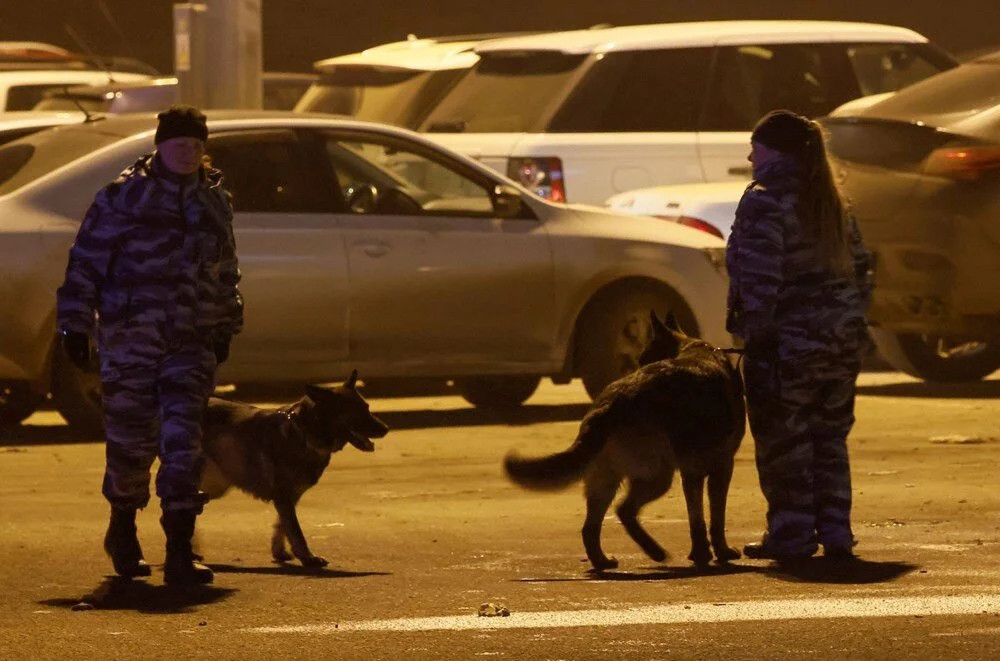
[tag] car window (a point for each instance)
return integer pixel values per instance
(25, 97)
(656, 90)
(392, 178)
(750, 81)
(883, 68)
(506, 92)
(268, 171)
(401, 98)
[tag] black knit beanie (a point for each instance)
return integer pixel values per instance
(784, 131)
(181, 121)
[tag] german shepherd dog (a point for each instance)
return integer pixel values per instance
(682, 409)
(276, 455)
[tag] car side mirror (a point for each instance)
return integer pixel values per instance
(507, 202)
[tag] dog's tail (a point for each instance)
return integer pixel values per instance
(557, 471)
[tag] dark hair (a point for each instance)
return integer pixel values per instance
(821, 208)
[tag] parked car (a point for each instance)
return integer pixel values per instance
(583, 115)
(922, 169)
(281, 92)
(711, 206)
(22, 89)
(396, 83)
(363, 246)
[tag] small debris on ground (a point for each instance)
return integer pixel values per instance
(959, 439)
(83, 606)
(493, 610)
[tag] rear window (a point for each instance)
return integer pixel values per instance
(656, 90)
(25, 160)
(25, 97)
(506, 92)
(401, 98)
(64, 102)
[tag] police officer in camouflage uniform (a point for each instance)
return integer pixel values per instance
(155, 260)
(799, 290)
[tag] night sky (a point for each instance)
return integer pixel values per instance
(298, 32)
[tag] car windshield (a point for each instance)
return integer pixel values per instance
(27, 159)
(506, 92)
(401, 98)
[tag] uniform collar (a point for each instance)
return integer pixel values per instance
(782, 171)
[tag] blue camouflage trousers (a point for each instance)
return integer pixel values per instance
(800, 415)
(154, 401)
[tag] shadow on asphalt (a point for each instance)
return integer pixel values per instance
(851, 572)
(116, 593)
(36, 435)
(650, 574)
(294, 570)
(470, 417)
(966, 390)
(41, 435)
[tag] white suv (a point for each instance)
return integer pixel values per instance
(579, 116)
(396, 83)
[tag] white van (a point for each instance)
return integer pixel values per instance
(579, 116)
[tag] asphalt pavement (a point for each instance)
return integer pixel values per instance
(426, 534)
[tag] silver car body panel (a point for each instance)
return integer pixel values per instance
(390, 295)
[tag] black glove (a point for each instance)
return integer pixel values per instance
(77, 348)
(221, 349)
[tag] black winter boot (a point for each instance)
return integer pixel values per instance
(122, 544)
(180, 568)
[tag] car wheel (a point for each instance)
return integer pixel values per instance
(77, 395)
(936, 358)
(18, 400)
(615, 330)
(497, 392)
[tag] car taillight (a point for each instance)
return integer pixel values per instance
(969, 163)
(542, 175)
(696, 223)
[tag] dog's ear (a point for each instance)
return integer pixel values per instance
(316, 393)
(352, 381)
(659, 330)
(670, 322)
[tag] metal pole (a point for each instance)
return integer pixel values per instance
(218, 53)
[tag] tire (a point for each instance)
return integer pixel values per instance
(77, 396)
(498, 392)
(935, 358)
(18, 400)
(614, 330)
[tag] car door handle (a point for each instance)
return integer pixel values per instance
(741, 171)
(373, 248)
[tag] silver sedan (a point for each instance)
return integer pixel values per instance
(362, 246)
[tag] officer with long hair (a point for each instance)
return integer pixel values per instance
(799, 289)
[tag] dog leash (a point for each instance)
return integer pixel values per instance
(734, 351)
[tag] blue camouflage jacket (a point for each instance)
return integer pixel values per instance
(155, 252)
(777, 283)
